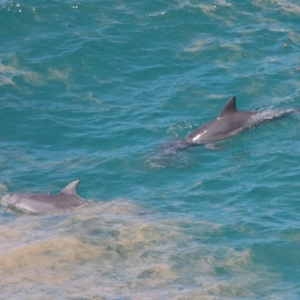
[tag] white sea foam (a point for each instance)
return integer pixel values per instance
(142, 257)
(7, 73)
(285, 6)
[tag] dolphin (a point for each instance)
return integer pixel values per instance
(66, 199)
(229, 123)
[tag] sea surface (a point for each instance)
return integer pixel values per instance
(95, 90)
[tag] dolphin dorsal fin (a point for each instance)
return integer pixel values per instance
(70, 189)
(229, 108)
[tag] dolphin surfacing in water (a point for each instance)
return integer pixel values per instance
(66, 199)
(229, 123)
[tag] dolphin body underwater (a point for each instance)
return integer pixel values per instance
(66, 199)
(229, 123)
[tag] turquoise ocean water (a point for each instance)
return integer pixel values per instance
(92, 90)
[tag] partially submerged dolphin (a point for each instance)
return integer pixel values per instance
(230, 122)
(66, 199)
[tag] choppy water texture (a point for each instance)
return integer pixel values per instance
(93, 90)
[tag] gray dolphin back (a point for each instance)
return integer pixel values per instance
(232, 121)
(229, 122)
(66, 199)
